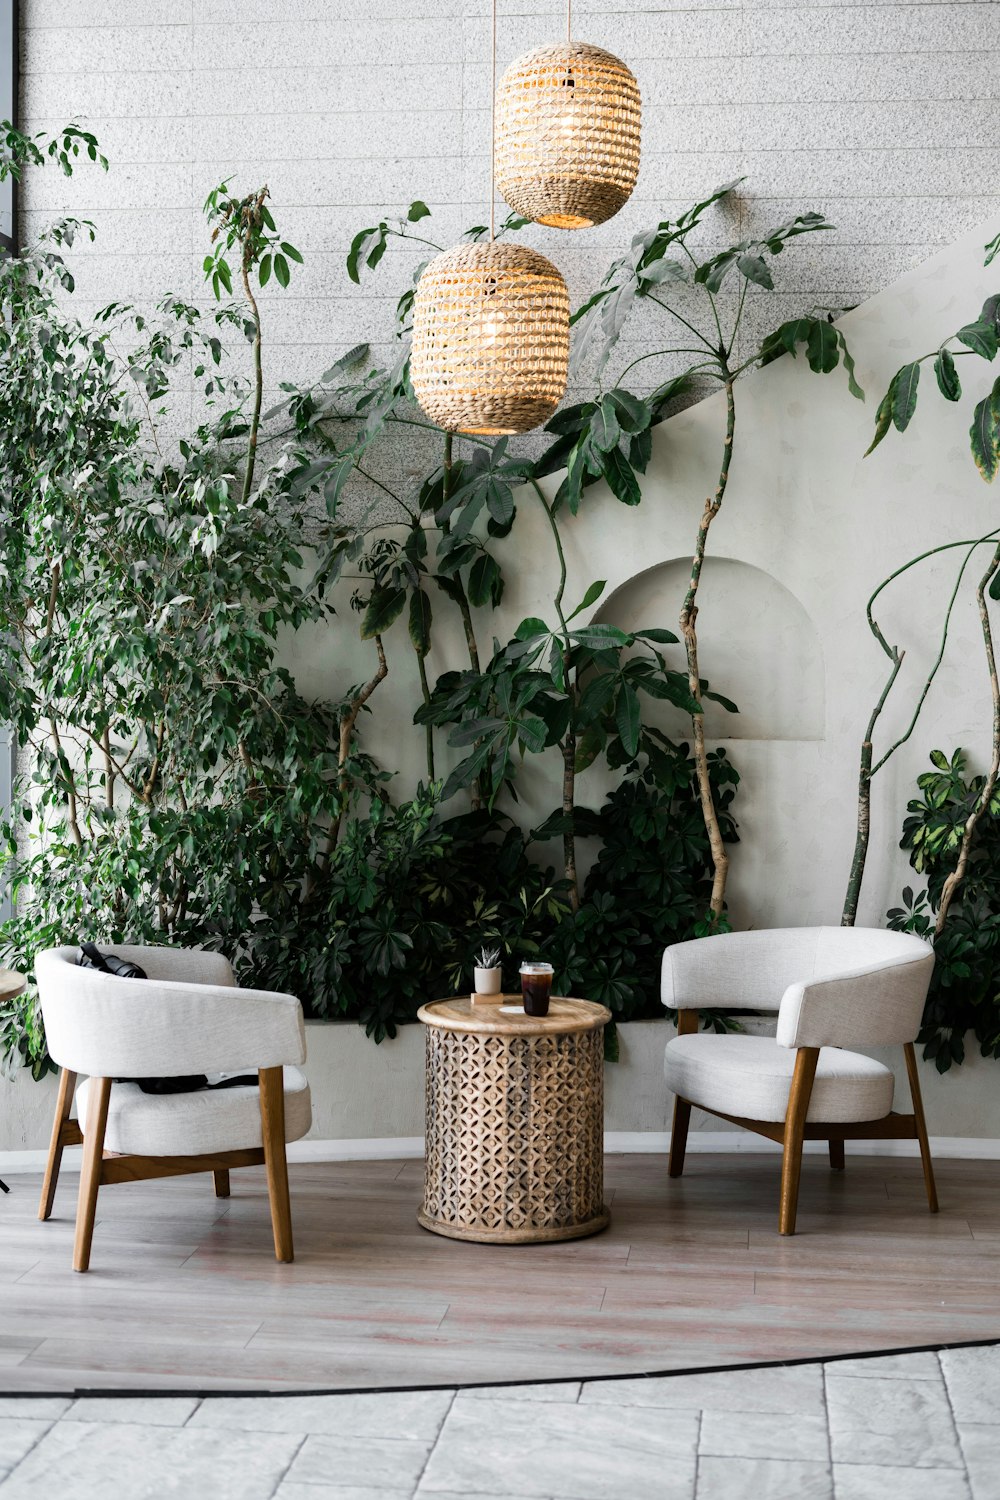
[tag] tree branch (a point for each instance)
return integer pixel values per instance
(957, 875)
(866, 769)
(688, 626)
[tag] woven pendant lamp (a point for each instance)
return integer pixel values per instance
(490, 333)
(568, 122)
(490, 339)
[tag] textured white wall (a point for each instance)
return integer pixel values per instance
(883, 115)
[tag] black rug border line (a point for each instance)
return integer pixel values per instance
(116, 1393)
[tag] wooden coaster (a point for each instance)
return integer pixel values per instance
(478, 999)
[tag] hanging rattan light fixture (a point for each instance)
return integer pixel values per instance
(490, 338)
(490, 333)
(568, 125)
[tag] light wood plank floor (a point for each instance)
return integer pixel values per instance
(184, 1292)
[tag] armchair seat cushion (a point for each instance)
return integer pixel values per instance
(193, 1124)
(750, 1077)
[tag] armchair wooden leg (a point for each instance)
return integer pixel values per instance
(221, 1182)
(837, 1161)
(64, 1103)
(687, 1022)
(678, 1136)
(806, 1060)
(99, 1096)
(272, 1120)
(921, 1124)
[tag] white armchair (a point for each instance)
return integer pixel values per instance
(186, 1017)
(831, 988)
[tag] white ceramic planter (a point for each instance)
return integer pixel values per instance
(487, 981)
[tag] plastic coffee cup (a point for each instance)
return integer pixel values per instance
(536, 987)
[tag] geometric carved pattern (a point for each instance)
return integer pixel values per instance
(514, 1135)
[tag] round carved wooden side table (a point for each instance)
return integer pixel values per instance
(11, 984)
(515, 1121)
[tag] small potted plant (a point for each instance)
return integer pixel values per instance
(487, 972)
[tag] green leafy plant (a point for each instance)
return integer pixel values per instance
(178, 788)
(181, 789)
(965, 988)
(609, 437)
(980, 339)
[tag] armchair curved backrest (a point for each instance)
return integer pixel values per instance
(830, 986)
(186, 1017)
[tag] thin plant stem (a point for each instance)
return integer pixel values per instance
(476, 789)
(568, 743)
(428, 728)
(711, 298)
(659, 354)
(957, 875)
(738, 319)
(258, 379)
(689, 326)
(689, 633)
(866, 769)
(347, 723)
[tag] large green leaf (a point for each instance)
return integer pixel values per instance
(822, 347)
(368, 245)
(946, 372)
(990, 312)
(628, 718)
(420, 622)
(883, 417)
(621, 477)
(755, 269)
(633, 413)
(599, 635)
(571, 489)
(467, 770)
(904, 399)
(485, 581)
(592, 595)
(852, 380)
(980, 337)
(984, 434)
(662, 637)
(640, 449)
(337, 476)
(499, 501)
(589, 746)
(604, 428)
(532, 733)
(384, 607)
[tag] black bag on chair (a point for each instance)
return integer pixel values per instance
(91, 957)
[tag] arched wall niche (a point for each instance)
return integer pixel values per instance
(757, 645)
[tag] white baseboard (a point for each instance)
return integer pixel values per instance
(629, 1142)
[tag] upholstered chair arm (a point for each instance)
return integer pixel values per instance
(736, 970)
(135, 1028)
(877, 1005)
(186, 965)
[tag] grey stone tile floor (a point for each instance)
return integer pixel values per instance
(921, 1426)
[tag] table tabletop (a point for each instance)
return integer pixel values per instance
(566, 1015)
(11, 983)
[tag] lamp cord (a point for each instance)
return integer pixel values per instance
(493, 121)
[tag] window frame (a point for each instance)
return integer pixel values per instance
(10, 37)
